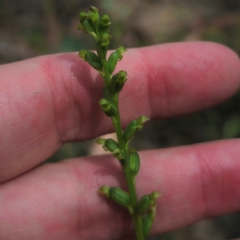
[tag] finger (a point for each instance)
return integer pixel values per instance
(60, 201)
(53, 99)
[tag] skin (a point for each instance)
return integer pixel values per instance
(51, 100)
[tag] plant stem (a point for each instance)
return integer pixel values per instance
(116, 120)
(133, 197)
(137, 219)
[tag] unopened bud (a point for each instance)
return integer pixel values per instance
(94, 16)
(86, 25)
(120, 196)
(105, 39)
(117, 153)
(112, 61)
(118, 80)
(105, 21)
(143, 204)
(93, 60)
(147, 224)
(107, 107)
(111, 145)
(130, 130)
(134, 162)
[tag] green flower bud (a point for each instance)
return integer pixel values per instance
(93, 60)
(108, 144)
(143, 204)
(117, 153)
(105, 190)
(105, 21)
(120, 52)
(111, 145)
(147, 224)
(107, 107)
(93, 16)
(134, 162)
(114, 58)
(103, 30)
(112, 61)
(118, 80)
(130, 130)
(119, 196)
(133, 127)
(105, 39)
(86, 25)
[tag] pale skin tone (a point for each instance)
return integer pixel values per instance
(48, 101)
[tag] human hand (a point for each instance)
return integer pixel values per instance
(50, 100)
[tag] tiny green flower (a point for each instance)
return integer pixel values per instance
(105, 21)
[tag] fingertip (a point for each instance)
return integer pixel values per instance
(180, 78)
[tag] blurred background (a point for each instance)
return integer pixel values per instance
(32, 28)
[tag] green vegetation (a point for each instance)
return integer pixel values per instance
(143, 210)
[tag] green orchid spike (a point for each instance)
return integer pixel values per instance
(142, 211)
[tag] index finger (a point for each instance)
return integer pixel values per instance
(54, 99)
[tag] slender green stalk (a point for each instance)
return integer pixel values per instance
(133, 196)
(116, 120)
(143, 210)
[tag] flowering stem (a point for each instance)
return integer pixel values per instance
(143, 210)
(116, 120)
